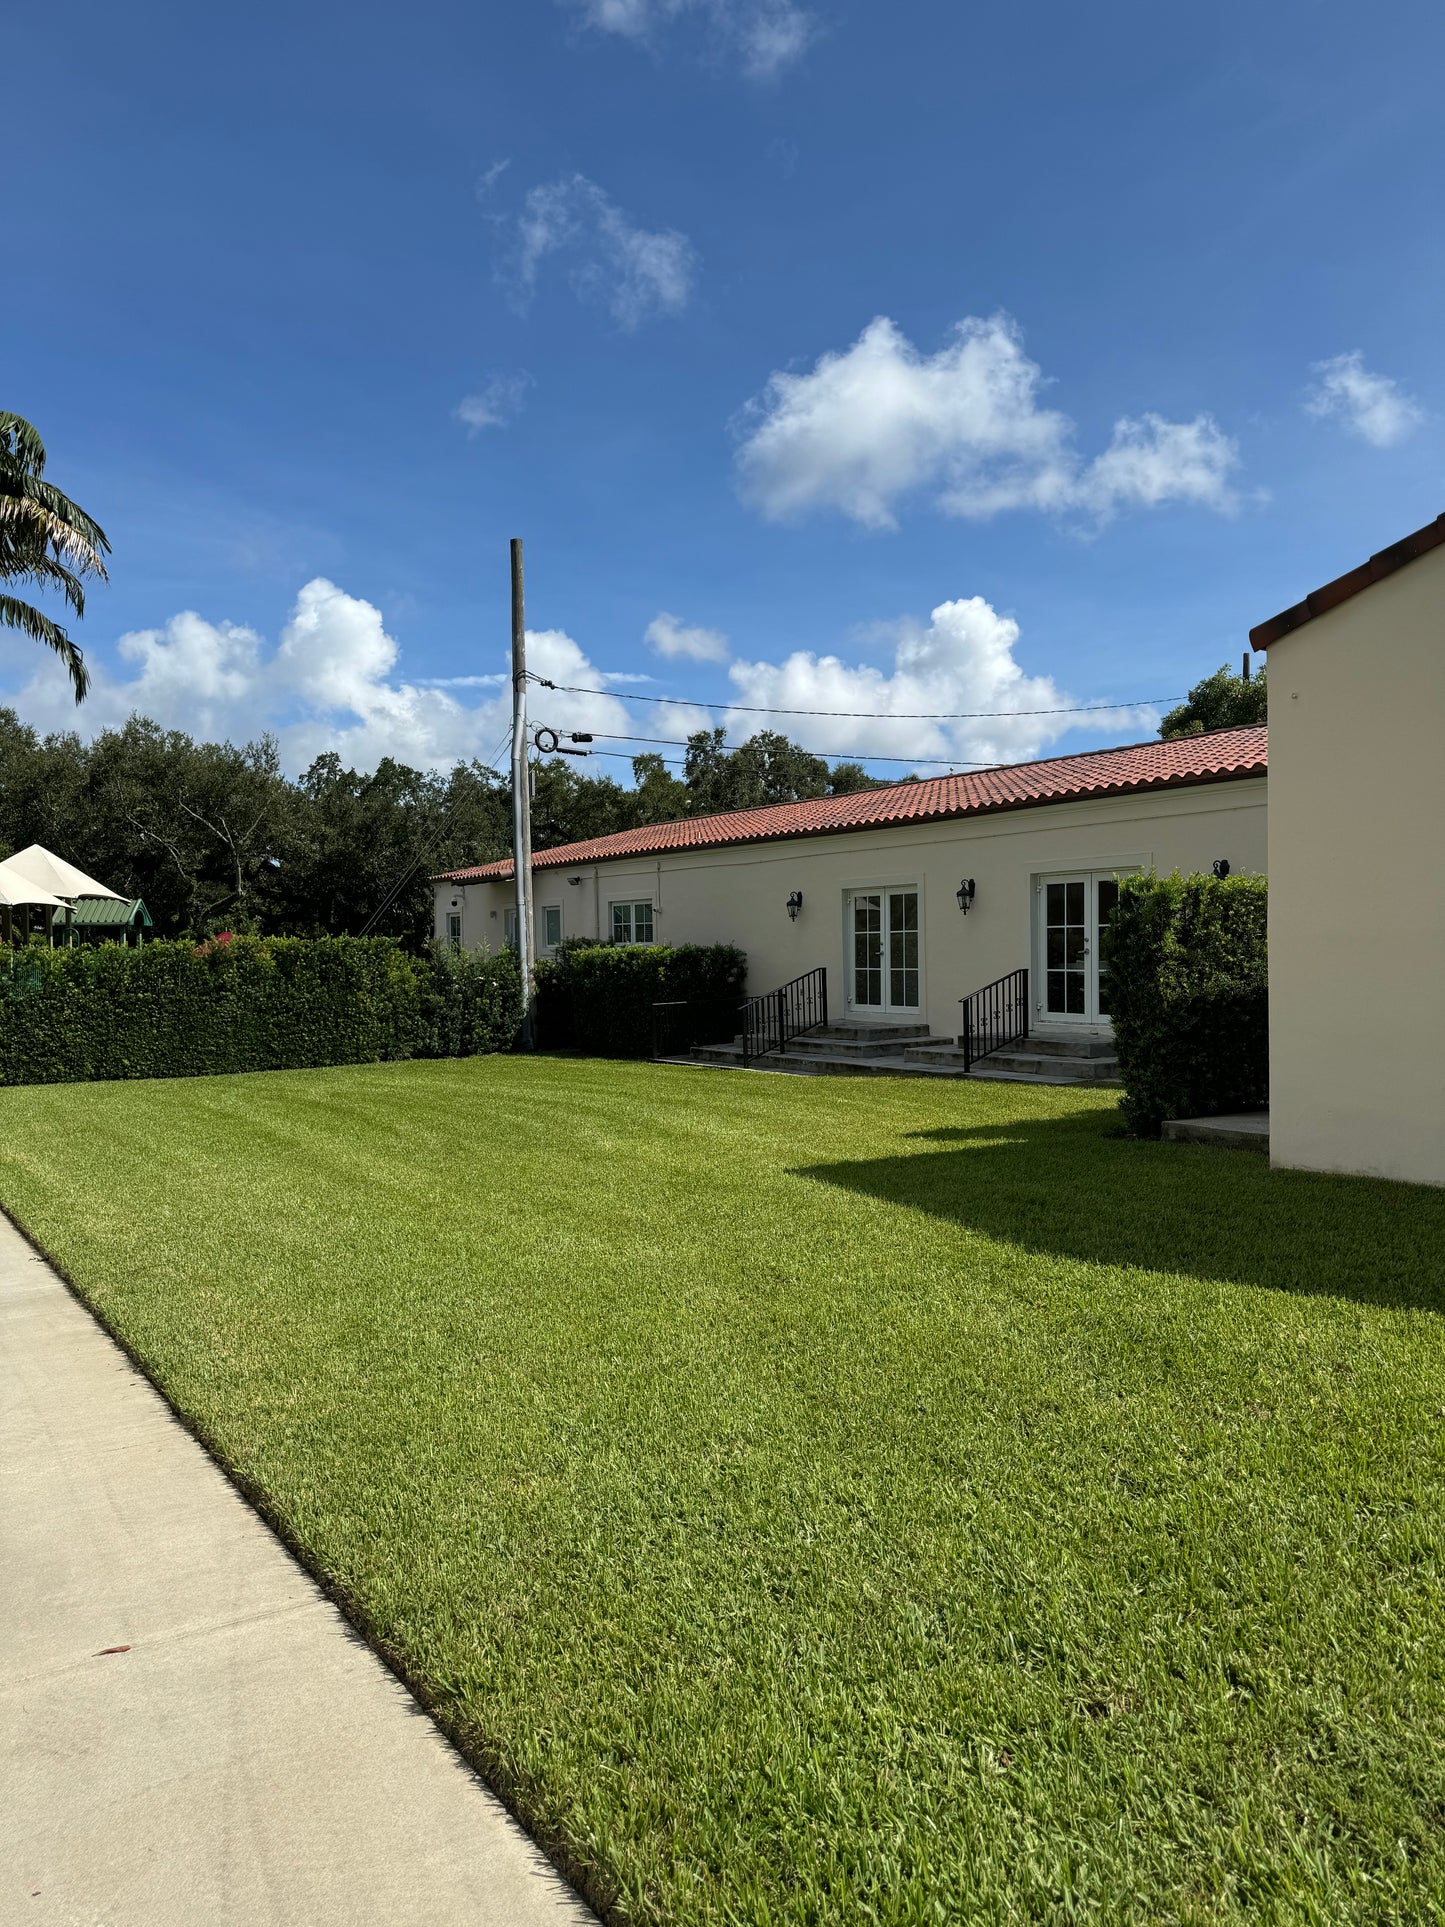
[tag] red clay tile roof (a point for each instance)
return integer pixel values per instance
(1344, 586)
(1221, 756)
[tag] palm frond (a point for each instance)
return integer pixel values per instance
(20, 442)
(15, 614)
(55, 518)
(34, 565)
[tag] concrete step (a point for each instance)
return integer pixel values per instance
(985, 1074)
(818, 1063)
(1070, 1070)
(918, 1062)
(880, 1035)
(1243, 1131)
(1069, 1043)
(825, 1044)
(1023, 1062)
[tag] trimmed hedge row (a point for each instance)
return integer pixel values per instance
(1188, 967)
(599, 997)
(245, 1004)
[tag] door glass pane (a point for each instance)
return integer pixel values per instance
(1107, 897)
(868, 951)
(903, 949)
(1066, 949)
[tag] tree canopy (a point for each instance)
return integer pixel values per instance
(1224, 700)
(215, 837)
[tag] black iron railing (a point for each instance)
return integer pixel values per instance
(768, 1022)
(995, 1017)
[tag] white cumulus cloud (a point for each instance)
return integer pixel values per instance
(330, 683)
(635, 273)
(765, 36)
(333, 681)
(881, 421)
(669, 637)
(961, 660)
(496, 404)
(1373, 406)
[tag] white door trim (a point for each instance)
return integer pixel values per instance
(1046, 983)
(887, 1011)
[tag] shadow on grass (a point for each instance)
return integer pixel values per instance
(1072, 1188)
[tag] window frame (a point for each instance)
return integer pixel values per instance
(631, 906)
(548, 911)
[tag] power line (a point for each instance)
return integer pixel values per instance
(863, 715)
(837, 755)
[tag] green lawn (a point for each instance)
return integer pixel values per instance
(822, 1500)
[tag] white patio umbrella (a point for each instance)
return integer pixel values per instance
(18, 893)
(41, 866)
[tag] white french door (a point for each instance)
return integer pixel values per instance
(884, 976)
(1072, 985)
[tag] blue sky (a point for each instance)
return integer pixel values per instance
(772, 327)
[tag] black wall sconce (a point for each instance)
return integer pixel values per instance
(795, 904)
(1220, 866)
(965, 894)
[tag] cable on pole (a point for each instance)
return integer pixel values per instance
(862, 715)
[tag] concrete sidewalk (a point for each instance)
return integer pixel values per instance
(245, 1758)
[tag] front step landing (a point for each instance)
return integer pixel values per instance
(1043, 1057)
(835, 1050)
(907, 1050)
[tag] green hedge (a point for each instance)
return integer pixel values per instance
(244, 1004)
(599, 997)
(1188, 989)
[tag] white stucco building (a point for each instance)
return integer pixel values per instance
(1356, 834)
(1352, 841)
(879, 872)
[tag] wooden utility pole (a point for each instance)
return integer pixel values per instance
(521, 794)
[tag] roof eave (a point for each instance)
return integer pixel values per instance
(1320, 601)
(1001, 806)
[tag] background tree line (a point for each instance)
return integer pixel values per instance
(215, 837)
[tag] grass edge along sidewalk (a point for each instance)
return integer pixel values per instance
(814, 1500)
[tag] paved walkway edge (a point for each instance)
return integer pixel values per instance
(1246, 1131)
(190, 1730)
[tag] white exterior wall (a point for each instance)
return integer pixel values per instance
(738, 895)
(1357, 909)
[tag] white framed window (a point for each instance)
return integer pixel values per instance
(454, 929)
(509, 928)
(632, 922)
(551, 925)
